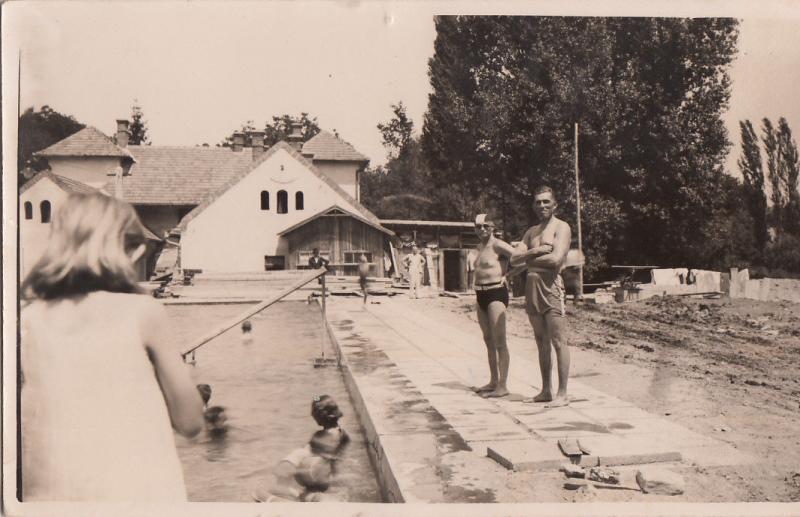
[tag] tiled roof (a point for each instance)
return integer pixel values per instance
(237, 176)
(332, 209)
(325, 146)
(89, 141)
(65, 184)
(164, 175)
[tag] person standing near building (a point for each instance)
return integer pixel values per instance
(363, 274)
(544, 249)
(491, 264)
(415, 265)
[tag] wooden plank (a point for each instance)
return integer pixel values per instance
(570, 447)
(229, 324)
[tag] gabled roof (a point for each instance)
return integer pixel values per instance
(65, 184)
(326, 146)
(89, 141)
(334, 210)
(172, 175)
(236, 177)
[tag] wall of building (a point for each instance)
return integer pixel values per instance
(334, 236)
(33, 233)
(95, 171)
(233, 234)
(343, 173)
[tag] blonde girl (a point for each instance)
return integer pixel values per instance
(101, 390)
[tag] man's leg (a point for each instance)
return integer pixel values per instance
(540, 332)
(497, 325)
(556, 327)
(483, 321)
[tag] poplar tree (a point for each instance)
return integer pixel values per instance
(138, 126)
(750, 165)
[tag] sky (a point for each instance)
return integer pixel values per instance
(201, 69)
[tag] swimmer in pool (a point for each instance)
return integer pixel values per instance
(247, 329)
(214, 416)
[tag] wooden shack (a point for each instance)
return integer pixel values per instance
(341, 237)
(445, 244)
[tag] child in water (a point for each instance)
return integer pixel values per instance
(306, 473)
(102, 389)
(247, 329)
(215, 417)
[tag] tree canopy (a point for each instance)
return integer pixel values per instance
(648, 95)
(41, 129)
(138, 126)
(277, 129)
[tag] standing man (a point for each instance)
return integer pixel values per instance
(415, 264)
(316, 262)
(491, 263)
(363, 273)
(544, 249)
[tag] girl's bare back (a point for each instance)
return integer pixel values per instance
(95, 423)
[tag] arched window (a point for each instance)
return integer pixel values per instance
(264, 200)
(44, 208)
(283, 202)
(28, 210)
(298, 201)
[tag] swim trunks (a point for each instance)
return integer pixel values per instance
(494, 294)
(544, 292)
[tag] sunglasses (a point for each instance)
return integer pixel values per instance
(483, 226)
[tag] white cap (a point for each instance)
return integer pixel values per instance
(483, 219)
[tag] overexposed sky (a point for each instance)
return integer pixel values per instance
(200, 69)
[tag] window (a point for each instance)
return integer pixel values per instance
(264, 200)
(283, 202)
(351, 257)
(298, 201)
(44, 208)
(274, 262)
(28, 210)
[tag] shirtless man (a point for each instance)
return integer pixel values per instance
(544, 249)
(492, 295)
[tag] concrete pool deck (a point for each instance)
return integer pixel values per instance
(410, 373)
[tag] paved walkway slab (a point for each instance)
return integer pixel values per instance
(412, 375)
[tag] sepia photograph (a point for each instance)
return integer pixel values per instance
(400, 258)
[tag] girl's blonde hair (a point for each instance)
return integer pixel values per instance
(91, 239)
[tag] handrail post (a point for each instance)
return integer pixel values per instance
(323, 297)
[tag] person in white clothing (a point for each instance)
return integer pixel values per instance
(415, 264)
(101, 388)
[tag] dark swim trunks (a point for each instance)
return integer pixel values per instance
(496, 294)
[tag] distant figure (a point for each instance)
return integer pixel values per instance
(363, 272)
(247, 336)
(544, 249)
(415, 265)
(205, 393)
(491, 292)
(102, 388)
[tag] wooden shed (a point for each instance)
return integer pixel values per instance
(341, 237)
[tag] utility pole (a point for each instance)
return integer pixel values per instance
(578, 208)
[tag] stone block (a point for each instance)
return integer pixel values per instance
(572, 471)
(528, 455)
(655, 480)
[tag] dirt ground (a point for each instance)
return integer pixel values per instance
(723, 368)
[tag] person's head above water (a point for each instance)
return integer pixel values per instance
(247, 326)
(94, 243)
(325, 411)
(205, 392)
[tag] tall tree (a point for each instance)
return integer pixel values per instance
(770, 141)
(138, 126)
(648, 94)
(38, 130)
(397, 132)
(788, 166)
(750, 165)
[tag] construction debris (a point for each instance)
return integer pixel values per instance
(604, 475)
(572, 471)
(657, 480)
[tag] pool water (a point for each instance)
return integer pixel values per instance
(266, 386)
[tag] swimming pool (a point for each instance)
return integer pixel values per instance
(266, 387)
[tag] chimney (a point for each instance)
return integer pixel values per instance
(257, 142)
(123, 133)
(295, 137)
(238, 142)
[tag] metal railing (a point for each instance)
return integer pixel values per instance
(236, 320)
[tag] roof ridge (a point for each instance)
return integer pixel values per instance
(236, 178)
